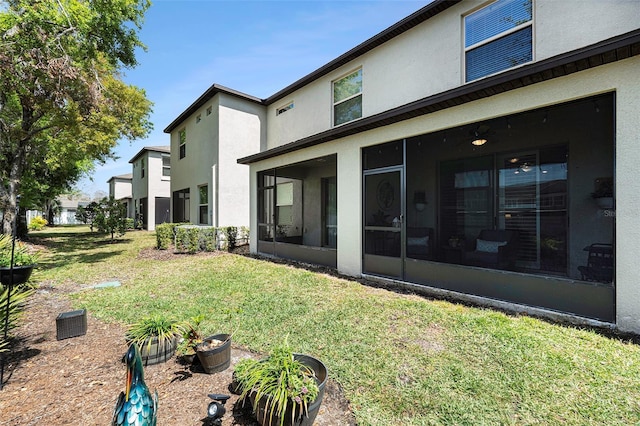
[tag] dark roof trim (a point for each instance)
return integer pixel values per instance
(126, 176)
(398, 28)
(604, 52)
(204, 98)
(165, 149)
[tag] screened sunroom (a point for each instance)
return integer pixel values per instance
(297, 211)
(517, 208)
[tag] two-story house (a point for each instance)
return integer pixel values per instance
(120, 189)
(208, 186)
(150, 186)
(483, 150)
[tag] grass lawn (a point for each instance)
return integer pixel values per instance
(401, 359)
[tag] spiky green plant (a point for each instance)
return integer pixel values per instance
(19, 296)
(284, 383)
(158, 326)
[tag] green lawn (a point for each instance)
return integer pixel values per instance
(401, 359)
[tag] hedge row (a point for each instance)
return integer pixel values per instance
(188, 238)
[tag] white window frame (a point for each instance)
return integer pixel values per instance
(334, 103)
(200, 204)
(490, 40)
(142, 168)
(162, 157)
(182, 143)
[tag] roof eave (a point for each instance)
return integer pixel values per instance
(166, 150)
(396, 29)
(204, 98)
(607, 51)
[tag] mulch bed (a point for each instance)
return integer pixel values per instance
(77, 380)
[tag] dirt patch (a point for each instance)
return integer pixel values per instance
(77, 380)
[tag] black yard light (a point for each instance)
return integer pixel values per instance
(216, 408)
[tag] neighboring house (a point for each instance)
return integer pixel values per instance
(65, 214)
(120, 189)
(456, 153)
(208, 186)
(150, 186)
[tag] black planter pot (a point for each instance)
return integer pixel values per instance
(21, 274)
(216, 359)
(265, 418)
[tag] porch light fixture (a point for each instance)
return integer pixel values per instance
(480, 135)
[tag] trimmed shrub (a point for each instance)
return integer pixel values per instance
(164, 235)
(129, 224)
(192, 238)
(231, 235)
(243, 235)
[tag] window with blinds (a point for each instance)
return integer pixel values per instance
(498, 37)
(524, 192)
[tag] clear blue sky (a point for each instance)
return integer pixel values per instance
(256, 47)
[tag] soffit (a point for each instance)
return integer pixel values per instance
(608, 51)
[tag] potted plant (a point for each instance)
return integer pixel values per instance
(284, 388)
(156, 337)
(23, 261)
(603, 193)
(191, 338)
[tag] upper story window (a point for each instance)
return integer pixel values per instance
(142, 167)
(198, 118)
(209, 109)
(182, 137)
(497, 37)
(166, 165)
(347, 98)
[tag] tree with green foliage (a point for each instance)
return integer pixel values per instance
(87, 215)
(63, 105)
(111, 217)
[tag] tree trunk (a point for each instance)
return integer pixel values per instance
(9, 214)
(10, 194)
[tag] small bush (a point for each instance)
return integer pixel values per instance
(192, 239)
(243, 235)
(208, 239)
(231, 235)
(164, 235)
(37, 223)
(130, 224)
